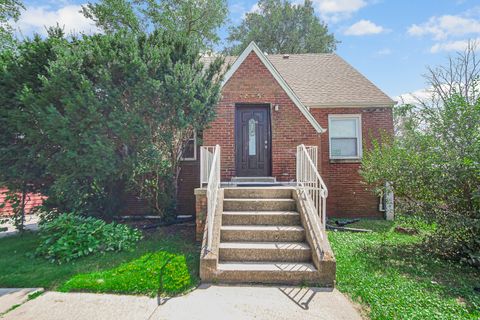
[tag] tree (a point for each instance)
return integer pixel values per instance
(433, 165)
(100, 115)
(282, 27)
(197, 19)
(22, 68)
(9, 10)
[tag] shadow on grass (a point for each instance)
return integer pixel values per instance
(369, 224)
(161, 272)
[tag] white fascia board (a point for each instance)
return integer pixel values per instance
(253, 47)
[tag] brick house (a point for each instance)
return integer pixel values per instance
(270, 104)
(32, 200)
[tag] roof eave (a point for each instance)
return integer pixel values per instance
(386, 104)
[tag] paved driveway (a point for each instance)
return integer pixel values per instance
(207, 302)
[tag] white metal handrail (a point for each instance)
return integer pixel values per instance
(210, 167)
(310, 181)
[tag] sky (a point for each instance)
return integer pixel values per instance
(390, 41)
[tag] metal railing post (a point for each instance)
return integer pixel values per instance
(310, 181)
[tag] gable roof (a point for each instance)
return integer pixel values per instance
(325, 79)
(291, 94)
(314, 80)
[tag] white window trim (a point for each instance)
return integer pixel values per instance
(358, 118)
(194, 148)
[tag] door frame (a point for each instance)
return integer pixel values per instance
(266, 106)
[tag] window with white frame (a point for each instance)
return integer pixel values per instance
(345, 134)
(190, 149)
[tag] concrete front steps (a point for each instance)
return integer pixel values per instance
(262, 239)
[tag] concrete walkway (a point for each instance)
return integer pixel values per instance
(258, 302)
(207, 302)
(15, 296)
(84, 306)
(31, 223)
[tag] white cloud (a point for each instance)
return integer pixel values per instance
(329, 10)
(445, 26)
(420, 95)
(37, 19)
(459, 45)
(363, 27)
(338, 6)
(336, 10)
(254, 8)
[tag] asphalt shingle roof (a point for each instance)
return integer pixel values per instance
(325, 79)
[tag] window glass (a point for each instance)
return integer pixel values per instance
(344, 137)
(344, 147)
(252, 147)
(189, 149)
(343, 128)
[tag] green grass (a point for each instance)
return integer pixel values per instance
(142, 275)
(20, 269)
(394, 278)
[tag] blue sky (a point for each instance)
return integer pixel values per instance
(390, 42)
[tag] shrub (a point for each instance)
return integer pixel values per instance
(70, 236)
(434, 170)
(138, 276)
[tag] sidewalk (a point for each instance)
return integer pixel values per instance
(31, 223)
(12, 297)
(207, 302)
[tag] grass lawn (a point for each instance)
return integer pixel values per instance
(106, 272)
(390, 275)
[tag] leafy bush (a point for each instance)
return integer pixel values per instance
(434, 170)
(71, 236)
(138, 276)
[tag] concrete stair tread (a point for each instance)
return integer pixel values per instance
(280, 187)
(267, 266)
(253, 179)
(259, 204)
(265, 245)
(255, 217)
(260, 199)
(256, 213)
(262, 228)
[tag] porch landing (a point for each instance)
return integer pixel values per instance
(257, 182)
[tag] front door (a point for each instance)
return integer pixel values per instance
(252, 141)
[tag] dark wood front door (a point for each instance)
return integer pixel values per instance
(252, 141)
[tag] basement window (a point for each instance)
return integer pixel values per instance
(345, 135)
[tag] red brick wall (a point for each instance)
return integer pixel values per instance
(253, 83)
(32, 200)
(133, 204)
(348, 196)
